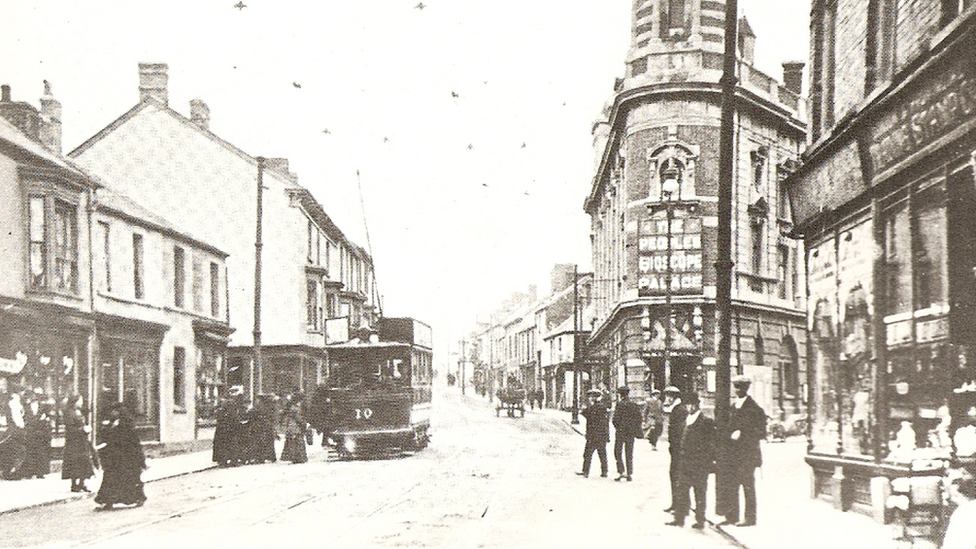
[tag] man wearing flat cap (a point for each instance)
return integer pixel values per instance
(627, 426)
(597, 433)
(747, 427)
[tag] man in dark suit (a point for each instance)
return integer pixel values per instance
(597, 433)
(676, 425)
(627, 426)
(747, 427)
(696, 463)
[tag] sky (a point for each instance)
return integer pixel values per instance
(467, 121)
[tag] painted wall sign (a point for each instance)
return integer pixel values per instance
(686, 256)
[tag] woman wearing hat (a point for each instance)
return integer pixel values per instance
(122, 460)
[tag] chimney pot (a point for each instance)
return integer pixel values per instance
(154, 82)
(50, 121)
(5, 93)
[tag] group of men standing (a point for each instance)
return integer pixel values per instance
(697, 448)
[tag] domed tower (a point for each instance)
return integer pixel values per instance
(653, 207)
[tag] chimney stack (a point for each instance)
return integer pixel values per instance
(50, 129)
(793, 76)
(153, 82)
(21, 114)
(200, 113)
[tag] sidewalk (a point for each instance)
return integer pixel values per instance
(16, 495)
(788, 517)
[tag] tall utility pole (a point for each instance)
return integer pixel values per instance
(723, 264)
(256, 363)
(576, 364)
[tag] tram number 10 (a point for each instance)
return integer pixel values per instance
(363, 413)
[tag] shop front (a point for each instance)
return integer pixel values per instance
(888, 213)
(44, 350)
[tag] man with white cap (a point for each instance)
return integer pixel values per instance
(746, 428)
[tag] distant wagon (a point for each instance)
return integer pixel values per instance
(511, 399)
(378, 394)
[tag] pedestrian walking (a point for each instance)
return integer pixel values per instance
(653, 418)
(12, 446)
(37, 431)
(696, 463)
(627, 427)
(78, 459)
(676, 412)
(597, 433)
(122, 461)
(228, 441)
(261, 434)
(296, 432)
(742, 454)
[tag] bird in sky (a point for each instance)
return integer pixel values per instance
(523, 144)
(454, 94)
(326, 131)
(484, 184)
(420, 6)
(297, 85)
(526, 193)
(470, 146)
(386, 139)
(240, 5)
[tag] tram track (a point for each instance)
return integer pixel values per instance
(347, 482)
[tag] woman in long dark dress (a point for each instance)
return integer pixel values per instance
(295, 430)
(122, 462)
(37, 462)
(77, 460)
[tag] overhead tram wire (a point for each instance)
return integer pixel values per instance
(369, 246)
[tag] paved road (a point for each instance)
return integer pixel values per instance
(483, 482)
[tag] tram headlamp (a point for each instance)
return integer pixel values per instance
(349, 444)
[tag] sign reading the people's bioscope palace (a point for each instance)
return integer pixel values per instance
(686, 256)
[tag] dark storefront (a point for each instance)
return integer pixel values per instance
(888, 212)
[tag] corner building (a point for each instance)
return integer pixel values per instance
(660, 133)
(886, 203)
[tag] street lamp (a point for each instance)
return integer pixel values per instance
(669, 188)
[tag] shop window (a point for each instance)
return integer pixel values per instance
(214, 290)
(179, 377)
(898, 253)
(209, 370)
(138, 279)
(930, 269)
(179, 276)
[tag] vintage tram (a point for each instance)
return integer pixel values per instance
(377, 397)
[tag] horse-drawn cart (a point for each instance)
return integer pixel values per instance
(510, 399)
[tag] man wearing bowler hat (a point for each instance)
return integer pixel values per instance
(696, 463)
(627, 426)
(597, 433)
(747, 427)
